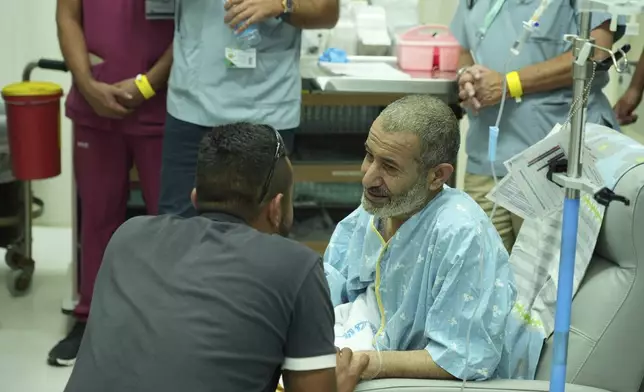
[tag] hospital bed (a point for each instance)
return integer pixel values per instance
(606, 347)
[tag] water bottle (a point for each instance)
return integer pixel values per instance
(248, 38)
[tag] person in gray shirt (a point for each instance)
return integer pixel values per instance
(206, 88)
(218, 302)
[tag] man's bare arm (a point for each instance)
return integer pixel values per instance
(323, 380)
(637, 82)
(72, 40)
(314, 14)
(158, 75)
(556, 73)
(404, 364)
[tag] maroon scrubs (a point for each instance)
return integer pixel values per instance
(117, 32)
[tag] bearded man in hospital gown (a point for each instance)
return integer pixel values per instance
(420, 261)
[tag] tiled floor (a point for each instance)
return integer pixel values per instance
(29, 326)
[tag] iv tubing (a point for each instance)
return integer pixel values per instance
(514, 50)
(537, 14)
(492, 142)
(476, 311)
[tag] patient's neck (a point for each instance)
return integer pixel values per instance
(263, 225)
(391, 226)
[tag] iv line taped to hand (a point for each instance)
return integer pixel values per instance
(482, 251)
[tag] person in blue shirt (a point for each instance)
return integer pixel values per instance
(207, 89)
(540, 76)
(428, 253)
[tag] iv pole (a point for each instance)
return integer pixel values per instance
(573, 182)
(568, 250)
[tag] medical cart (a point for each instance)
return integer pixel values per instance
(19, 256)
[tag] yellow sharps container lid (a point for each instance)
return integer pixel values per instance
(31, 89)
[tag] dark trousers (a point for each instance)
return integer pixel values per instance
(180, 147)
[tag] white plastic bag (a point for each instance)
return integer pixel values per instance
(356, 323)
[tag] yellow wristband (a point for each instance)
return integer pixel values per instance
(514, 85)
(144, 86)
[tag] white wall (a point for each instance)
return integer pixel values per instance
(27, 33)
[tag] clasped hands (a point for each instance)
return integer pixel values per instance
(114, 101)
(480, 87)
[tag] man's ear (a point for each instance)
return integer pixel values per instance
(274, 208)
(439, 175)
(193, 197)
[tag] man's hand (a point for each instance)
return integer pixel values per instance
(466, 91)
(104, 99)
(242, 13)
(488, 87)
(626, 106)
(129, 86)
(349, 369)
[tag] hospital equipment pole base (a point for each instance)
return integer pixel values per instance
(19, 257)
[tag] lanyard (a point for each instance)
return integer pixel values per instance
(490, 16)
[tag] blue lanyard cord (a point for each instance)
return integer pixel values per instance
(491, 16)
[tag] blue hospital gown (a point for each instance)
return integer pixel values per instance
(428, 282)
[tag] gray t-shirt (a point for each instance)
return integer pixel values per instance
(203, 304)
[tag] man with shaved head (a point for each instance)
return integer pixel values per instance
(421, 257)
(221, 301)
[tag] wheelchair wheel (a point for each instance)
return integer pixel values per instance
(22, 271)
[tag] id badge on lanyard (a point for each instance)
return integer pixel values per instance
(159, 9)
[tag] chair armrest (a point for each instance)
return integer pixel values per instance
(405, 385)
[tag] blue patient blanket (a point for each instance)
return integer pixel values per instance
(445, 269)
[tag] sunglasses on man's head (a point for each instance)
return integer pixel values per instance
(279, 150)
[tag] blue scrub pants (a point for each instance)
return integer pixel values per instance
(178, 171)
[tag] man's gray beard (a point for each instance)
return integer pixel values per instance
(403, 205)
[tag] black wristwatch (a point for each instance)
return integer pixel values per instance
(288, 6)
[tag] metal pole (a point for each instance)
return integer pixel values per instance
(581, 74)
(569, 230)
(28, 217)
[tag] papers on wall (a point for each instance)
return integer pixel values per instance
(527, 192)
